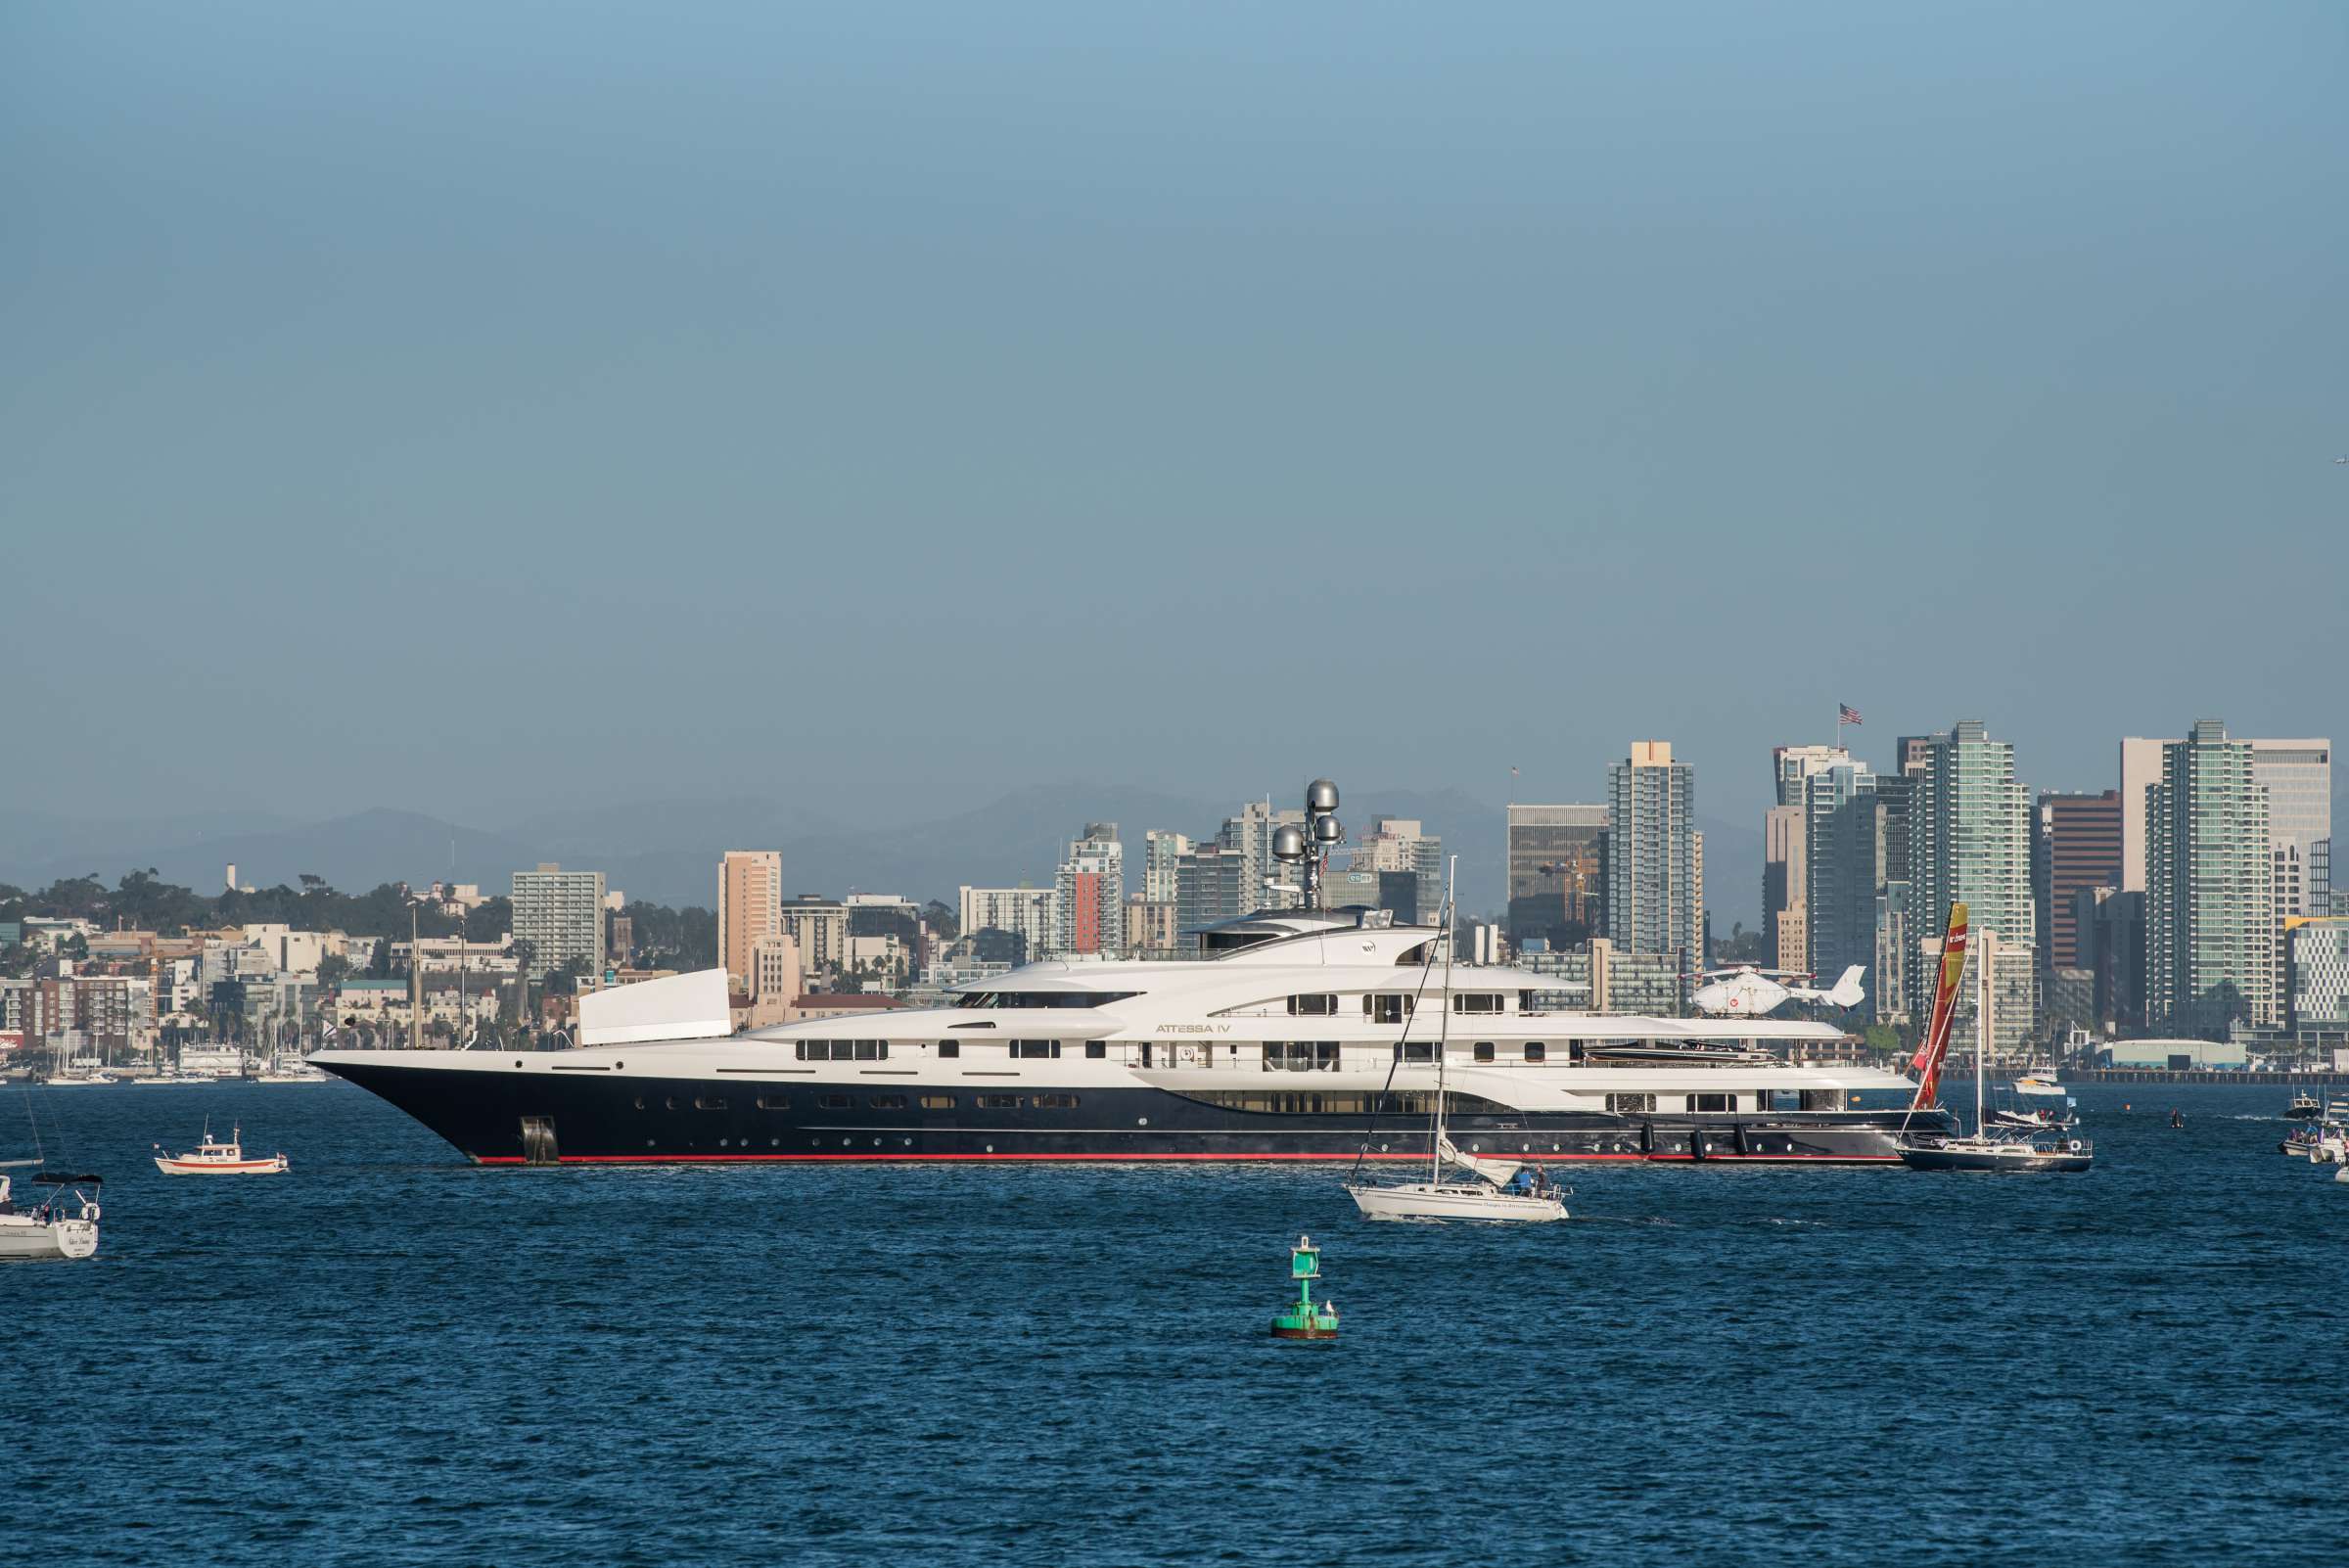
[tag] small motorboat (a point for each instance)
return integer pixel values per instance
(210, 1158)
(61, 1225)
(2034, 1121)
(2040, 1083)
(2304, 1108)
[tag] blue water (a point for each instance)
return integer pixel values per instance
(389, 1357)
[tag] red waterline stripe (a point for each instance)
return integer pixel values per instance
(1135, 1159)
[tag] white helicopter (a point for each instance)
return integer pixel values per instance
(1748, 993)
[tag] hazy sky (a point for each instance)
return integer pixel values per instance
(469, 407)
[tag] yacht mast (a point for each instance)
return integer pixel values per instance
(1981, 1032)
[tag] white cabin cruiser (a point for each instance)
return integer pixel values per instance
(210, 1158)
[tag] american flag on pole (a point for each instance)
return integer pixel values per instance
(1846, 714)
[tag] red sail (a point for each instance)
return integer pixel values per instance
(1928, 1058)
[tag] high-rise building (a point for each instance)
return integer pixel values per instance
(2210, 912)
(1783, 929)
(1843, 862)
(1400, 845)
(1149, 928)
(819, 926)
(1032, 914)
(1162, 854)
(749, 906)
(1911, 753)
(1210, 887)
(1249, 836)
(1556, 873)
(1090, 913)
(2319, 947)
(1970, 838)
(2076, 844)
(1896, 796)
(1791, 766)
(1655, 875)
(561, 914)
(2297, 775)
(2111, 927)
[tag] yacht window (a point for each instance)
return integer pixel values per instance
(1037, 1048)
(1484, 1050)
(1536, 1051)
(1325, 1056)
(834, 1102)
(889, 1102)
(1415, 1051)
(1387, 1007)
(775, 1102)
(1483, 1001)
(1712, 1102)
(1631, 1104)
(709, 1102)
(938, 1102)
(1054, 1103)
(949, 1047)
(1097, 1050)
(1823, 1099)
(869, 1050)
(998, 1102)
(1313, 1004)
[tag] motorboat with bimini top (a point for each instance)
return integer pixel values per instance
(1281, 1036)
(210, 1158)
(1982, 1150)
(1488, 1188)
(64, 1224)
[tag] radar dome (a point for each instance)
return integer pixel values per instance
(1321, 796)
(1288, 844)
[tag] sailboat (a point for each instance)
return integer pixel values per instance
(1482, 1189)
(1980, 1151)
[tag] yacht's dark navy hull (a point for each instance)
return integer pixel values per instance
(591, 1118)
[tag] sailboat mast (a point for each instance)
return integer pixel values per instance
(1981, 1032)
(1435, 1148)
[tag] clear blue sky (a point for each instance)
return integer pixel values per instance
(467, 408)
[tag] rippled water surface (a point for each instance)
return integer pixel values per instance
(388, 1357)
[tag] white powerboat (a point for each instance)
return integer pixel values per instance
(2041, 1084)
(210, 1158)
(1491, 1188)
(61, 1225)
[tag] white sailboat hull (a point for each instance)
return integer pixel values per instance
(22, 1240)
(1427, 1200)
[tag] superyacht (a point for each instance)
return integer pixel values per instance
(1293, 1035)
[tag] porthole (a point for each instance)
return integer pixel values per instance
(1142, 1122)
(517, 1061)
(991, 1148)
(774, 1144)
(640, 1102)
(910, 1144)
(721, 1143)
(1382, 1148)
(876, 1143)
(617, 1066)
(648, 1144)
(845, 1142)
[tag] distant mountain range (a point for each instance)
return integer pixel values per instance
(666, 851)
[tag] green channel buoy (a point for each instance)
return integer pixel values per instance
(1308, 1319)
